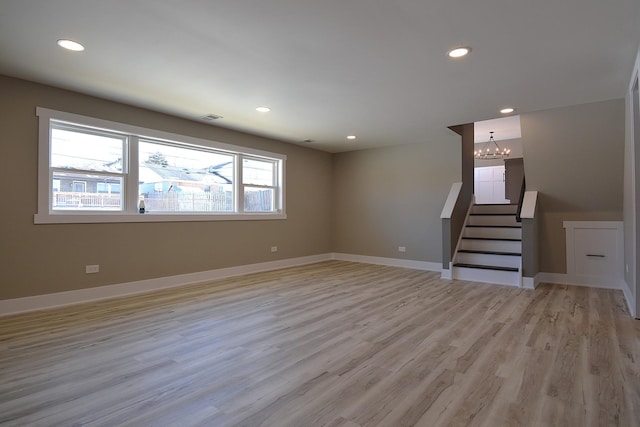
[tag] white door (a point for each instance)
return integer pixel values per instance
(489, 185)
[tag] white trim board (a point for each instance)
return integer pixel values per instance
(567, 279)
(530, 282)
(392, 262)
(529, 205)
(450, 203)
(447, 273)
(628, 296)
(61, 299)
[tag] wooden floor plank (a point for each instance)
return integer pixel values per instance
(331, 344)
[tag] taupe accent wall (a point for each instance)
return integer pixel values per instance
(574, 157)
(41, 259)
(389, 197)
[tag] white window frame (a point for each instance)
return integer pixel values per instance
(129, 189)
(276, 179)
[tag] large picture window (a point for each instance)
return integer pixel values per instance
(93, 170)
(174, 178)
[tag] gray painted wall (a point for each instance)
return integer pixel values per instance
(389, 197)
(573, 156)
(41, 259)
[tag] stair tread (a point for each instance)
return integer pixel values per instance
(493, 214)
(474, 251)
(495, 204)
(486, 267)
(492, 238)
(493, 226)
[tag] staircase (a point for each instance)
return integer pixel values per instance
(490, 248)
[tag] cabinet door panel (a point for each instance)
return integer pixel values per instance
(595, 252)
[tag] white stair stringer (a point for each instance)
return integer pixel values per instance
(490, 248)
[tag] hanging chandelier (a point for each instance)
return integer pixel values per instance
(490, 150)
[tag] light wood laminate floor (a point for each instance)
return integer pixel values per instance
(330, 344)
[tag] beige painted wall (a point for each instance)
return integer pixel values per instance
(40, 259)
(573, 156)
(389, 197)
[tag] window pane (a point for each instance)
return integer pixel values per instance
(78, 191)
(258, 199)
(258, 172)
(75, 149)
(182, 179)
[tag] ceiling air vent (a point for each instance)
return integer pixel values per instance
(211, 117)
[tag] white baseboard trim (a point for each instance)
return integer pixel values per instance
(530, 282)
(61, 299)
(590, 282)
(391, 262)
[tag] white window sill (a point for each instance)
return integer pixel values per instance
(95, 218)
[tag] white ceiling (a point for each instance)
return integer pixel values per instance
(503, 128)
(329, 68)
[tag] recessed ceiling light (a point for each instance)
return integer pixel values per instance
(263, 109)
(507, 110)
(352, 137)
(459, 52)
(70, 45)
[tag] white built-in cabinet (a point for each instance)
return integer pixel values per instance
(595, 253)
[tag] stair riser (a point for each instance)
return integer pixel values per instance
(491, 245)
(512, 209)
(493, 233)
(509, 278)
(493, 220)
(489, 259)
